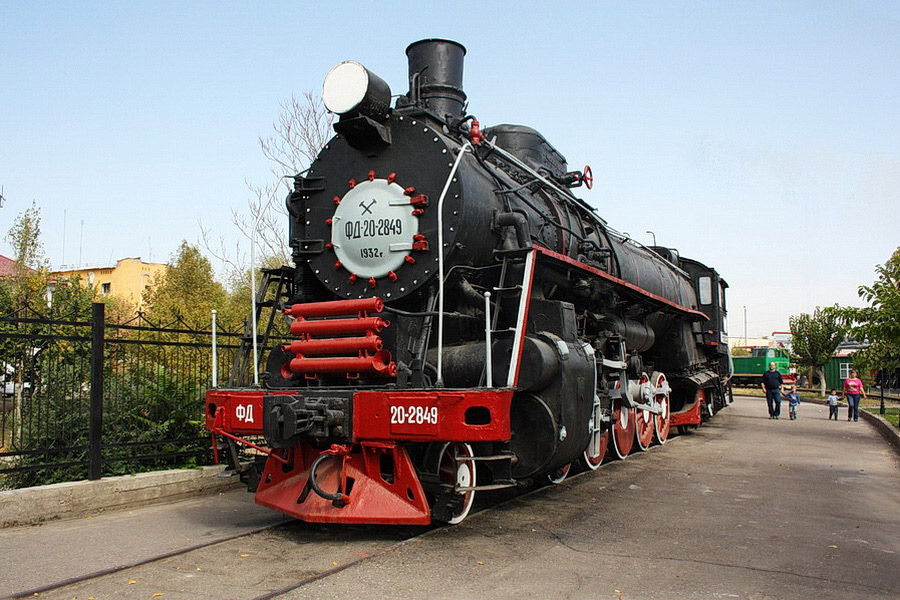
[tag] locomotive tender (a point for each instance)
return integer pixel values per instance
(459, 320)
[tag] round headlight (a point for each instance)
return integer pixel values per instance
(350, 87)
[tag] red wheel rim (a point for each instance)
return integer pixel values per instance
(643, 426)
(559, 475)
(460, 473)
(598, 442)
(596, 450)
(700, 398)
(623, 430)
(643, 433)
(662, 420)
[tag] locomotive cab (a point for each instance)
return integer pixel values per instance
(711, 337)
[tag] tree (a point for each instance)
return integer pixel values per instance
(815, 338)
(879, 323)
(301, 131)
(32, 280)
(31, 268)
(188, 289)
(25, 288)
(36, 356)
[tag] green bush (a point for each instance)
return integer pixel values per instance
(151, 407)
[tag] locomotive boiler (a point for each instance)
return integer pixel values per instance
(456, 319)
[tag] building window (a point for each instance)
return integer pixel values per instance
(104, 289)
(845, 370)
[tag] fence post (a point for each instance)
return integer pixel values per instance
(95, 429)
(215, 351)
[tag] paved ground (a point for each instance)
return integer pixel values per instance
(59, 550)
(745, 507)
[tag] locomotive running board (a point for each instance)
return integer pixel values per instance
(630, 287)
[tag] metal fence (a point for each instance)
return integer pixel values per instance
(887, 380)
(83, 398)
(886, 387)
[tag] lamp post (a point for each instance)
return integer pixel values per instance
(253, 294)
(654, 236)
(745, 325)
(215, 352)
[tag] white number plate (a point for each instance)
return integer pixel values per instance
(414, 418)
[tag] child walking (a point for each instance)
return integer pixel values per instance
(794, 400)
(833, 405)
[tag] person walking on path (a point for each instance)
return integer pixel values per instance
(853, 388)
(833, 405)
(771, 385)
(794, 401)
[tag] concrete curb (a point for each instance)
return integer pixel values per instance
(886, 429)
(82, 498)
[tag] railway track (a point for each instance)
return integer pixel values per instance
(257, 565)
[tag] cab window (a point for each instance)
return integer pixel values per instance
(705, 288)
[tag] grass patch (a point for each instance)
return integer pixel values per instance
(891, 415)
(748, 391)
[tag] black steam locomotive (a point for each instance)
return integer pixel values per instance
(459, 320)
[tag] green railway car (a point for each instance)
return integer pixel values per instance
(748, 370)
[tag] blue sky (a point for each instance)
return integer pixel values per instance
(761, 138)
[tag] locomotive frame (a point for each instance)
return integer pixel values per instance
(489, 339)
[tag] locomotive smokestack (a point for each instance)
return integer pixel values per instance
(436, 75)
